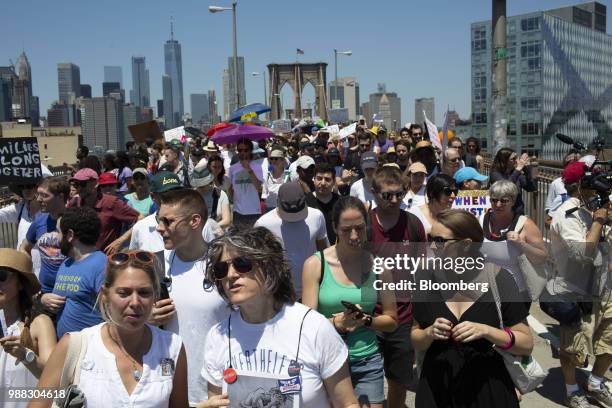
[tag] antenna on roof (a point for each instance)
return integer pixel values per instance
(171, 28)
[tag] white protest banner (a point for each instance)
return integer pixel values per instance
(332, 129)
(176, 133)
(346, 131)
(432, 130)
(476, 202)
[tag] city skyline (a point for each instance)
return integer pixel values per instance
(207, 46)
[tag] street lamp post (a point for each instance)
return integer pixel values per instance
(217, 9)
(265, 87)
(336, 52)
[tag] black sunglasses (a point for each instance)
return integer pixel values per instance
(388, 195)
(450, 191)
(240, 263)
(5, 274)
(439, 240)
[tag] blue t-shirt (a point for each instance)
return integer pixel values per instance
(80, 283)
(43, 235)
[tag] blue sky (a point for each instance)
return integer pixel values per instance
(418, 48)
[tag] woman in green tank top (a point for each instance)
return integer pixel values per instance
(343, 273)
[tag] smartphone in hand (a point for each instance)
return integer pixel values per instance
(353, 308)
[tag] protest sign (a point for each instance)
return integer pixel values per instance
(476, 202)
(177, 133)
(141, 131)
(19, 160)
(346, 131)
(281, 125)
(331, 129)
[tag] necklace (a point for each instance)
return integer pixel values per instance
(135, 371)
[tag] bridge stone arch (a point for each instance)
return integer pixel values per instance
(297, 75)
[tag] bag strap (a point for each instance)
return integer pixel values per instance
(495, 291)
(520, 224)
(74, 355)
(322, 256)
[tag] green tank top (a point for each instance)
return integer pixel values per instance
(362, 342)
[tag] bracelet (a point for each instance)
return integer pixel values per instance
(510, 342)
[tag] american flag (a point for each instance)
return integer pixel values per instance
(300, 51)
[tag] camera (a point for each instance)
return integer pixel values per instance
(601, 182)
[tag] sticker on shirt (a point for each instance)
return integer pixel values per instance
(167, 367)
(263, 390)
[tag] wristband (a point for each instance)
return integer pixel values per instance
(510, 342)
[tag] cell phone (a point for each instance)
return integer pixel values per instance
(353, 308)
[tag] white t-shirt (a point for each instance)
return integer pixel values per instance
(359, 191)
(102, 385)
(265, 350)
(223, 201)
(14, 374)
(414, 200)
(146, 238)
(197, 310)
(416, 210)
(246, 197)
(270, 187)
(556, 194)
(298, 238)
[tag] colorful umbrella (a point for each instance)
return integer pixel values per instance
(236, 132)
(218, 127)
(249, 111)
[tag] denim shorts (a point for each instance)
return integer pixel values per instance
(368, 379)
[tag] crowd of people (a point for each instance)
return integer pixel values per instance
(195, 274)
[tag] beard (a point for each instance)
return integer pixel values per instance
(65, 246)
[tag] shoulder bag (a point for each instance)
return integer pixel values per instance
(71, 373)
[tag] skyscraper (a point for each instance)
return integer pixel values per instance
(168, 107)
(113, 74)
(226, 94)
(131, 116)
(69, 82)
(140, 95)
(160, 108)
(174, 69)
(22, 88)
(103, 123)
(347, 91)
(108, 87)
(231, 87)
(373, 107)
(85, 90)
(212, 107)
(58, 116)
(199, 108)
(558, 79)
(424, 104)
(6, 96)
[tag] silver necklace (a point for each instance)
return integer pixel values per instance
(136, 373)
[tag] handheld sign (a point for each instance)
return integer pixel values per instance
(19, 160)
(141, 131)
(476, 202)
(3, 324)
(177, 133)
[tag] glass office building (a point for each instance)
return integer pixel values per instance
(559, 79)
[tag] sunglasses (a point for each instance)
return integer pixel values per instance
(388, 195)
(122, 258)
(241, 265)
(166, 222)
(5, 274)
(274, 159)
(450, 191)
(439, 240)
(504, 201)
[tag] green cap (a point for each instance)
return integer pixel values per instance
(164, 181)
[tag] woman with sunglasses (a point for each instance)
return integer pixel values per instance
(127, 361)
(441, 192)
(457, 329)
(509, 239)
(30, 337)
(276, 176)
(345, 273)
(507, 165)
(301, 347)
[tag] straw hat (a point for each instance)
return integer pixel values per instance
(20, 263)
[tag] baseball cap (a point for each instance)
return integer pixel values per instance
(468, 173)
(174, 144)
(140, 170)
(197, 152)
(292, 203)
(164, 181)
(85, 174)
(107, 179)
(304, 162)
(574, 172)
(417, 167)
(277, 153)
(22, 264)
(369, 161)
(201, 177)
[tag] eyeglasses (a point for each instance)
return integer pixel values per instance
(241, 265)
(417, 135)
(504, 201)
(166, 222)
(5, 274)
(122, 258)
(439, 240)
(450, 191)
(388, 195)
(455, 160)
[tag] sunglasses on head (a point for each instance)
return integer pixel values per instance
(5, 274)
(240, 264)
(450, 191)
(388, 195)
(122, 258)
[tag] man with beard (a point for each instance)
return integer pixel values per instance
(80, 277)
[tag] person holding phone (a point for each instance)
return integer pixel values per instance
(339, 282)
